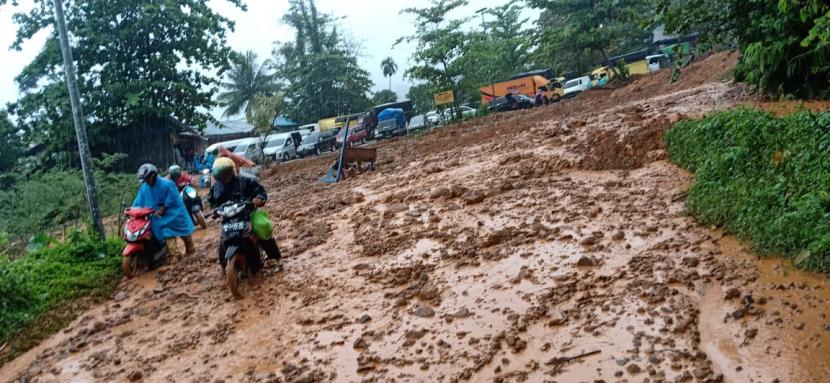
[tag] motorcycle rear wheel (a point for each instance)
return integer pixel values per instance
(236, 274)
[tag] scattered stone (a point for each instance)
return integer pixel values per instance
(364, 319)
(732, 293)
(122, 295)
(633, 369)
(424, 311)
(589, 241)
(618, 236)
(586, 261)
(135, 376)
(159, 289)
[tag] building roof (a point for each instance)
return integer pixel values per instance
(222, 128)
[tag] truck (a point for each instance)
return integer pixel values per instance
(391, 122)
(552, 90)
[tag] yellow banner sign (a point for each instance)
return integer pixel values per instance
(446, 97)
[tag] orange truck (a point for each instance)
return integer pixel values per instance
(528, 85)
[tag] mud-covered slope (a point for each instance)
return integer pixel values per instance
(546, 245)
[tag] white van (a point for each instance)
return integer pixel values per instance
(230, 145)
(308, 129)
(249, 148)
(282, 146)
(576, 86)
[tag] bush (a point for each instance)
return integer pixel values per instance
(42, 202)
(761, 177)
(38, 282)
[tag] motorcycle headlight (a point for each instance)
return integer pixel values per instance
(232, 210)
(191, 192)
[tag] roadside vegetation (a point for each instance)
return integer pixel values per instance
(761, 177)
(49, 275)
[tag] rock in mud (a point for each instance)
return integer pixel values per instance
(439, 193)
(473, 197)
(365, 318)
(732, 293)
(586, 261)
(589, 241)
(135, 376)
(423, 311)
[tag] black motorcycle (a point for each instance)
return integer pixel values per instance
(242, 257)
(193, 204)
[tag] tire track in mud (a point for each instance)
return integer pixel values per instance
(491, 251)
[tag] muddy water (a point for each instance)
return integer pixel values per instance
(568, 259)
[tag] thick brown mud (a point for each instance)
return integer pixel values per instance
(550, 245)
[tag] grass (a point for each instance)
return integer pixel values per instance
(761, 177)
(35, 288)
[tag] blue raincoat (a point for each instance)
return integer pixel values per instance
(176, 221)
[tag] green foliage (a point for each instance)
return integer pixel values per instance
(440, 44)
(46, 200)
(36, 283)
(761, 177)
(136, 60)
(622, 70)
(785, 44)
(10, 142)
(319, 67)
(574, 35)
(422, 97)
(389, 69)
(384, 96)
(244, 82)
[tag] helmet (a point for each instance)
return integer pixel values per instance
(222, 167)
(174, 171)
(146, 170)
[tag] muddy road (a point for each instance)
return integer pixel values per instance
(545, 246)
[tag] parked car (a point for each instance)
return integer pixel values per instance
(466, 112)
(657, 62)
(283, 146)
(435, 118)
(308, 129)
(391, 123)
(317, 142)
(511, 102)
(418, 122)
(576, 86)
(229, 145)
(356, 134)
(249, 148)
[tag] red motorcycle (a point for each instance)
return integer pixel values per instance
(143, 251)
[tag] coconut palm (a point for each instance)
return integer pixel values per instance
(244, 81)
(389, 68)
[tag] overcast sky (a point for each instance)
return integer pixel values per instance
(375, 24)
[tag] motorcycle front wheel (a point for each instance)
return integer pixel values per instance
(132, 265)
(200, 219)
(236, 274)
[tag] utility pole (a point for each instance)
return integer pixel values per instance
(78, 117)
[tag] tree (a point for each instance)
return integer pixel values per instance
(389, 69)
(264, 113)
(245, 80)
(785, 45)
(384, 96)
(136, 60)
(576, 35)
(440, 43)
(319, 68)
(10, 144)
(422, 97)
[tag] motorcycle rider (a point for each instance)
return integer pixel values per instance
(181, 178)
(172, 219)
(230, 186)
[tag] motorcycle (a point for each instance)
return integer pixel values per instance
(143, 250)
(193, 204)
(204, 179)
(242, 258)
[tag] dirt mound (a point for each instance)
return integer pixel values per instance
(717, 67)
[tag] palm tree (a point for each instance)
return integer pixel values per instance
(389, 68)
(244, 81)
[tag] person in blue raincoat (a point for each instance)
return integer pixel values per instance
(171, 220)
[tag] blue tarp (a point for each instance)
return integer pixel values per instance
(392, 114)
